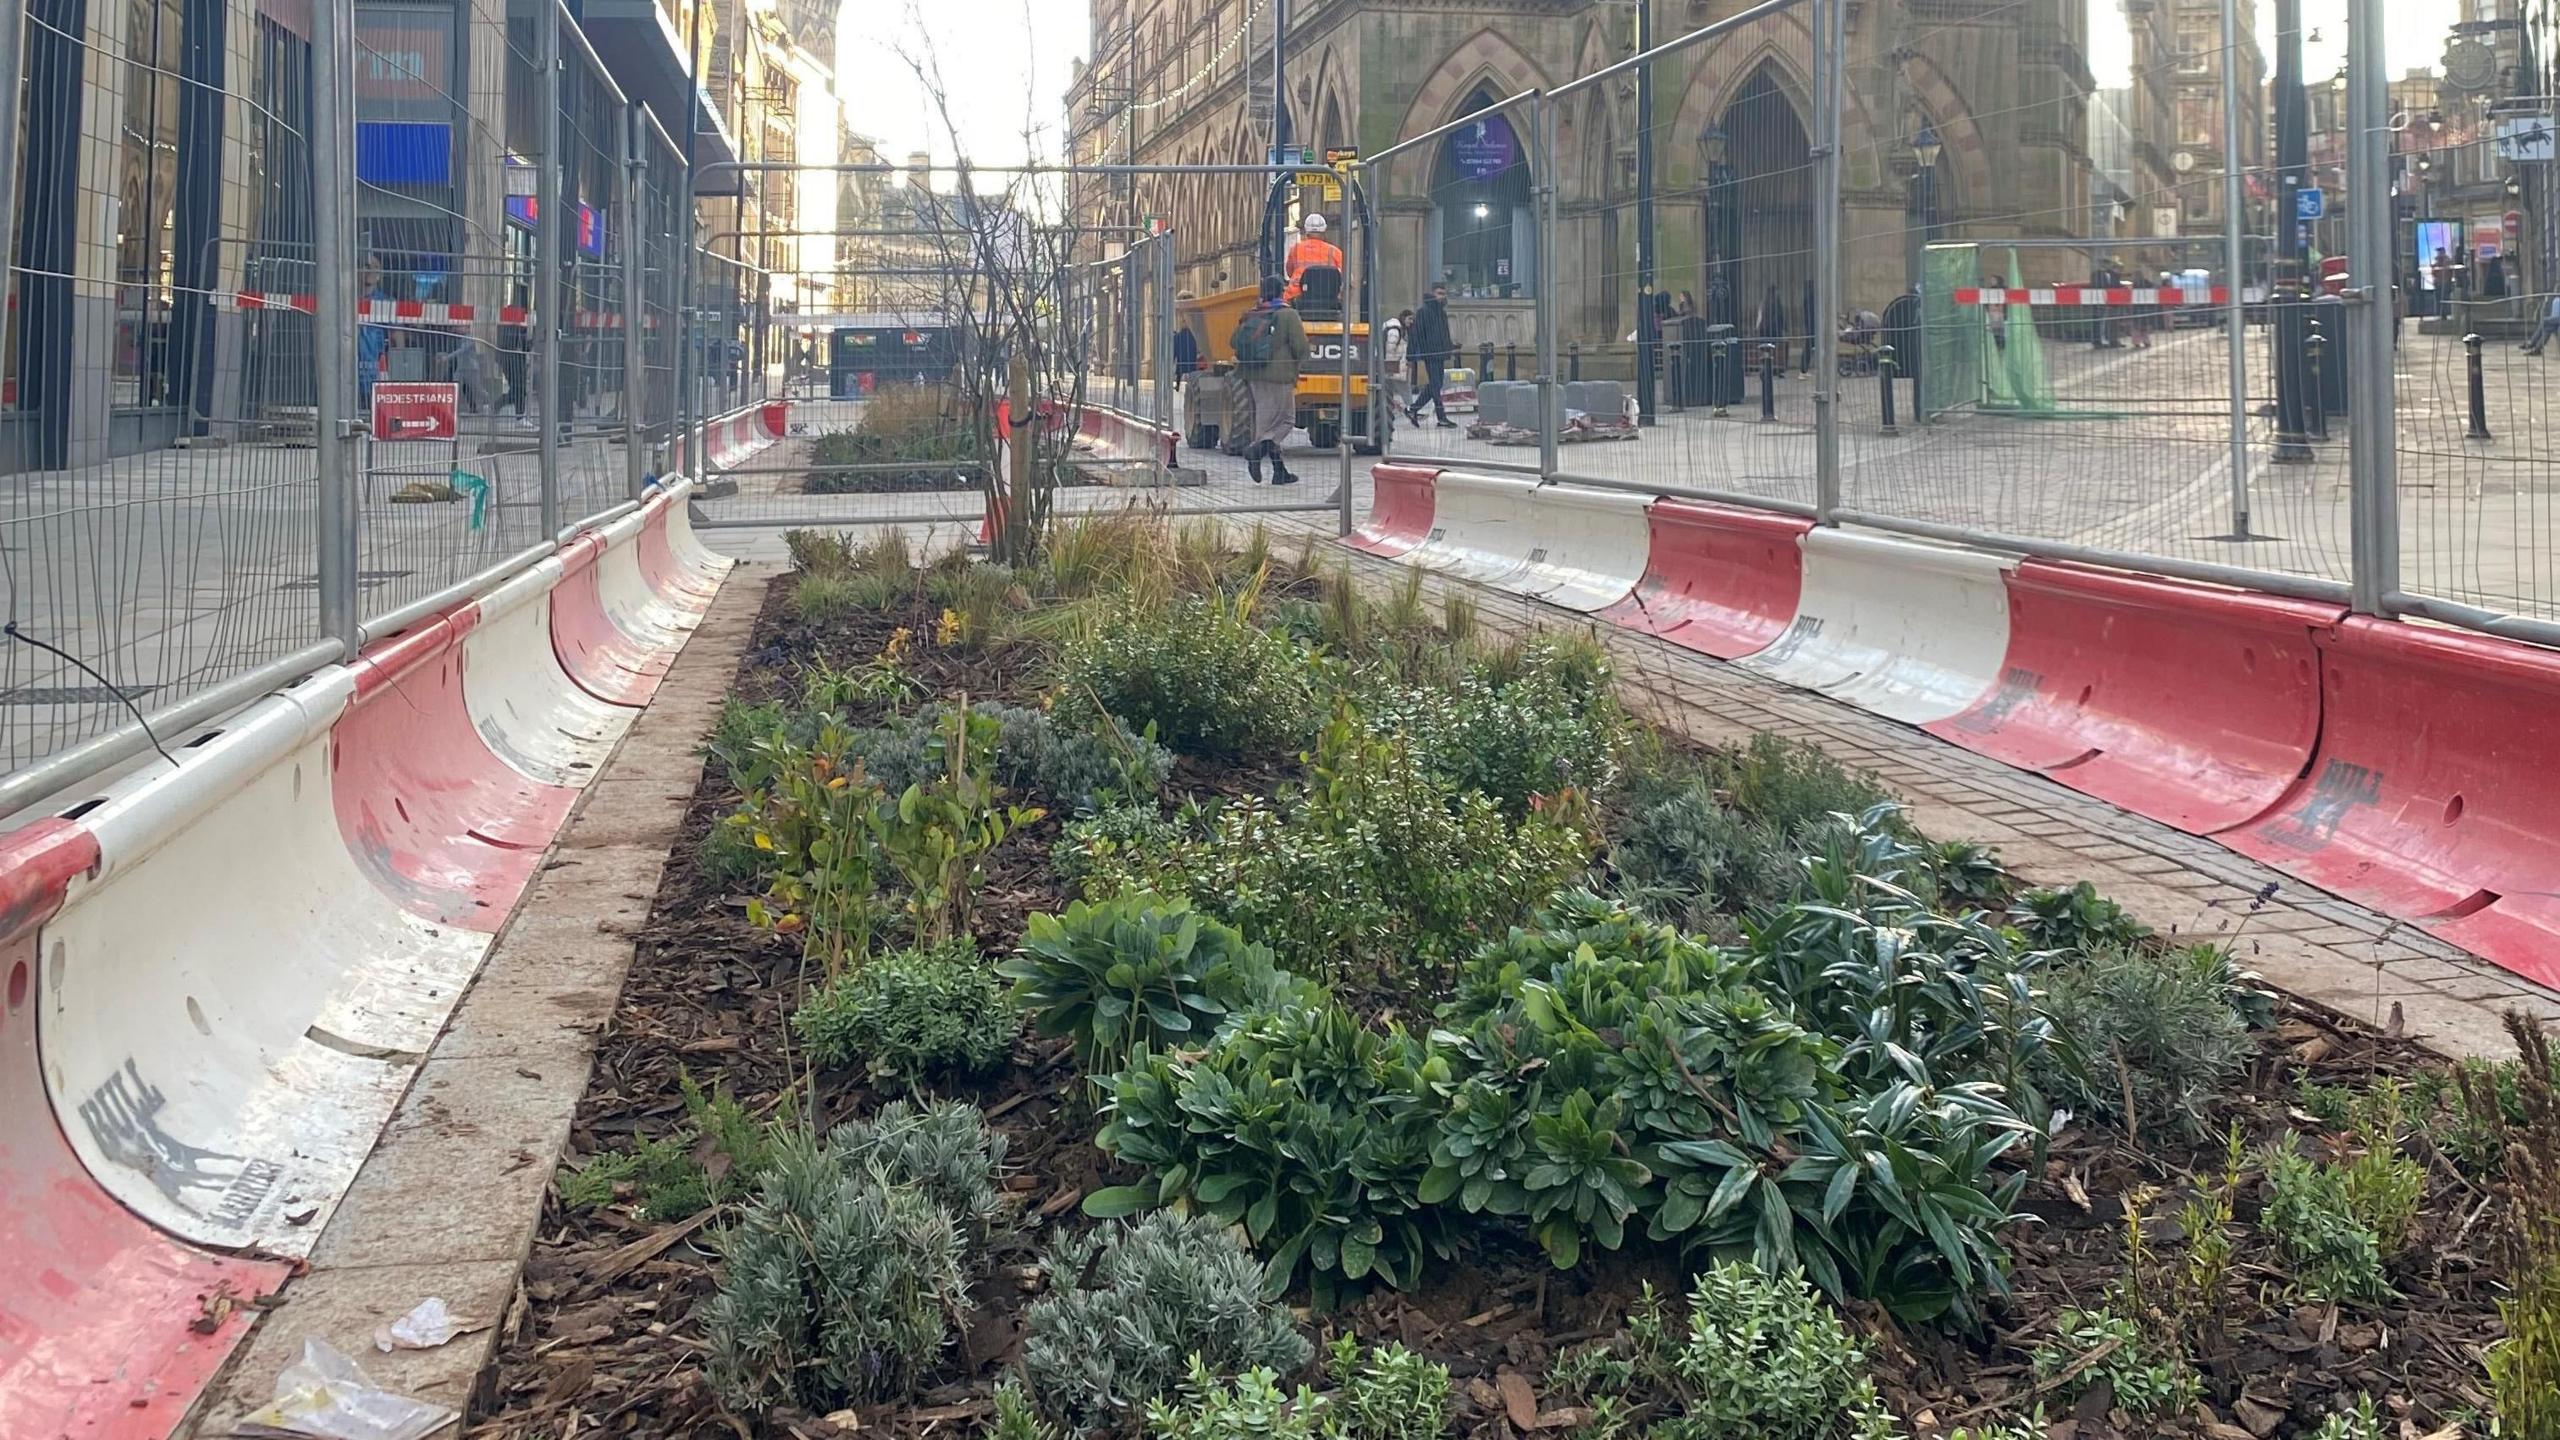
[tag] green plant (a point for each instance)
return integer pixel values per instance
(1133, 1304)
(2159, 1042)
(881, 681)
(2312, 1217)
(937, 833)
(1759, 1355)
(1308, 1129)
(837, 1283)
(1117, 839)
(944, 1151)
(670, 1175)
(2030, 1427)
(1200, 675)
(1392, 1394)
(1375, 870)
(1251, 1407)
(1692, 857)
(2358, 1421)
(1122, 977)
(1529, 723)
(2090, 1348)
(2524, 1368)
(826, 599)
(910, 1014)
(2075, 921)
(1015, 1417)
(820, 552)
(1792, 786)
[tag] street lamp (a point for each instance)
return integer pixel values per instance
(1724, 241)
(1925, 148)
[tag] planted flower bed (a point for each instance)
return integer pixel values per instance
(1163, 991)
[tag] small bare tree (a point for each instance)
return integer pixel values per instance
(1007, 240)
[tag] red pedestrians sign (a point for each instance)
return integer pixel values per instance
(417, 411)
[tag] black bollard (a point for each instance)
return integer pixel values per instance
(1511, 360)
(2314, 350)
(1884, 374)
(1768, 383)
(1484, 360)
(1573, 362)
(2479, 392)
(1715, 379)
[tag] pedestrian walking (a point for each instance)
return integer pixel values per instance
(1394, 347)
(1433, 344)
(1270, 344)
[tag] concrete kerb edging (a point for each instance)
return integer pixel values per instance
(334, 862)
(449, 1202)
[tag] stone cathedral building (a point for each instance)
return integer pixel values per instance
(1993, 92)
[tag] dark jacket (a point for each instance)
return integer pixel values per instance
(1186, 351)
(1288, 348)
(1431, 339)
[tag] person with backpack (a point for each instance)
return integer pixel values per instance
(1433, 344)
(1393, 350)
(1270, 343)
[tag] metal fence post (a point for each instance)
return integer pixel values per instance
(1550, 398)
(2235, 323)
(1166, 380)
(547, 255)
(332, 318)
(1351, 298)
(1828, 42)
(2373, 501)
(635, 310)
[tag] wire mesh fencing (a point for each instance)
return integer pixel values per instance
(272, 368)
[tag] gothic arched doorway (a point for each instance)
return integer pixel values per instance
(1484, 233)
(1759, 210)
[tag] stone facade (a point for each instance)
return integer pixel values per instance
(2004, 86)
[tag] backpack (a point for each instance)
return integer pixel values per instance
(1257, 339)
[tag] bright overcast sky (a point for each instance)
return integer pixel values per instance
(2413, 37)
(1005, 63)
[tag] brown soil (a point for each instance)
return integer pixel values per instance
(604, 1337)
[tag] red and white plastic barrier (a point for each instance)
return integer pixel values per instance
(2094, 296)
(221, 975)
(733, 440)
(1911, 632)
(2433, 793)
(1401, 509)
(2401, 765)
(1719, 580)
(1127, 437)
(2195, 706)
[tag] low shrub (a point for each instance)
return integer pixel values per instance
(943, 1150)
(1250, 1407)
(2311, 1215)
(820, 552)
(1514, 726)
(1198, 674)
(2358, 1421)
(1113, 839)
(1792, 785)
(2090, 1348)
(838, 1284)
(1375, 869)
(2075, 921)
(1122, 977)
(1691, 859)
(909, 1015)
(1135, 1305)
(1298, 1123)
(2155, 1031)
(830, 599)
(1757, 1355)
(1390, 1394)
(2524, 1367)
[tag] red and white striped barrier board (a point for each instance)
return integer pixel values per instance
(2094, 295)
(410, 312)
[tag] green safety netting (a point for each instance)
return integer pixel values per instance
(1979, 357)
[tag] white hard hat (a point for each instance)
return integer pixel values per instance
(1312, 225)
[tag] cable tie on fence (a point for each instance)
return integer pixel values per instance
(13, 632)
